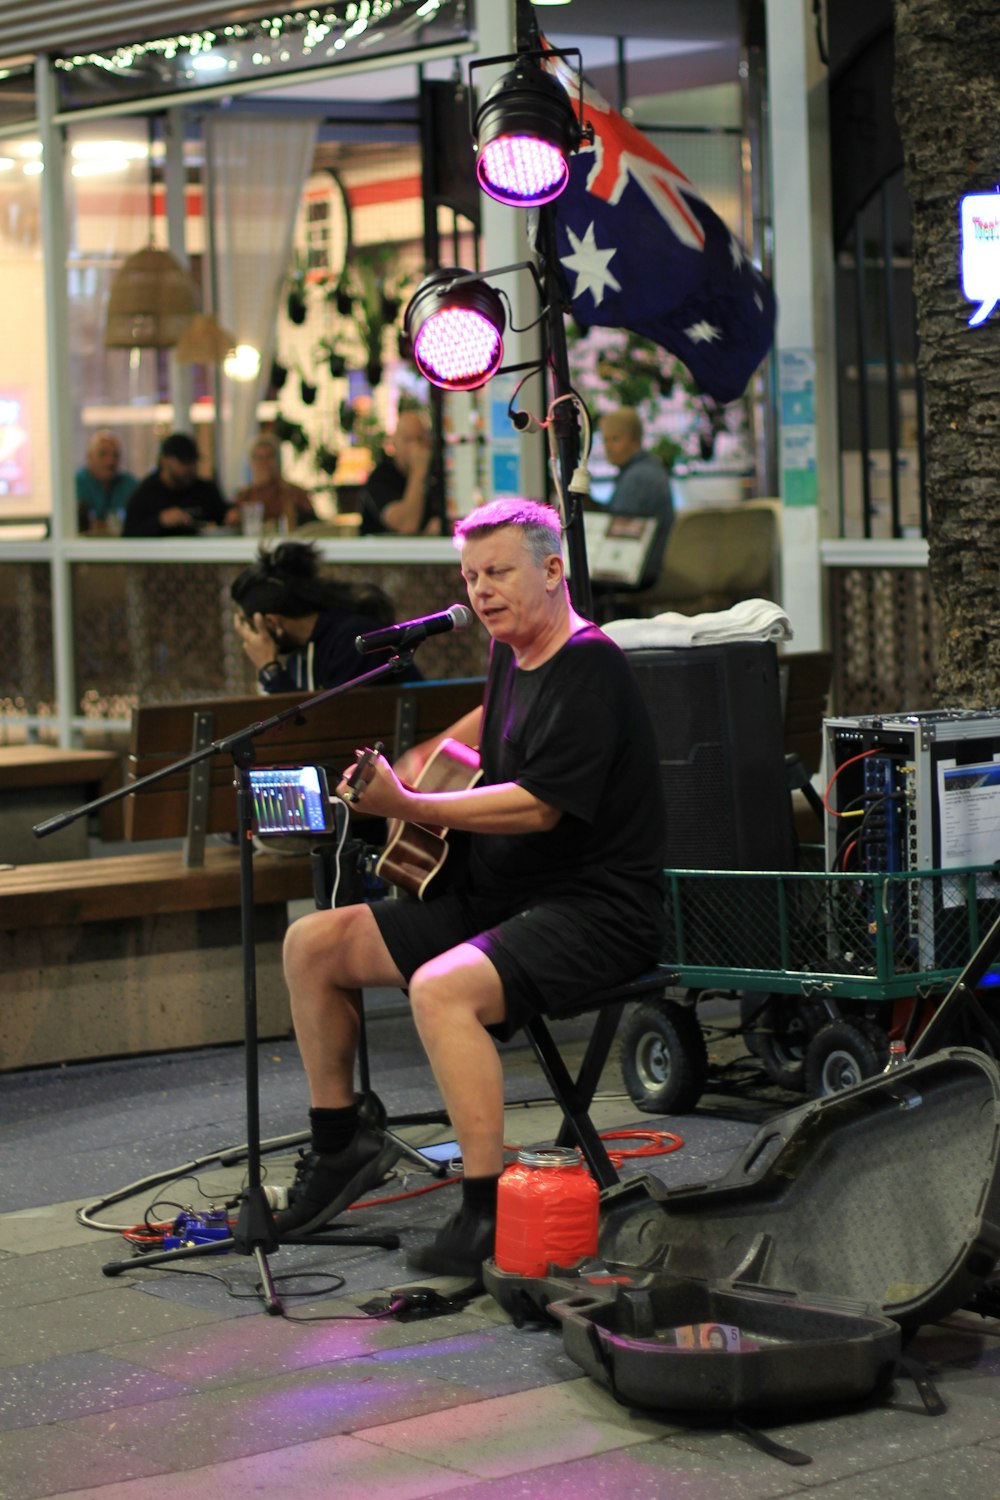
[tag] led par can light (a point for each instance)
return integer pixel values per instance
(525, 132)
(455, 324)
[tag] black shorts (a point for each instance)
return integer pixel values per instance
(549, 956)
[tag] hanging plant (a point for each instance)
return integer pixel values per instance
(295, 306)
(326, 459)
(279, 375)
(326, 351)
(290, 432)
(668, 451)
(306, 391)
(371, 290)
(295, 297)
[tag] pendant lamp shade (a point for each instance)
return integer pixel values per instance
(203, 342)
(152, 301)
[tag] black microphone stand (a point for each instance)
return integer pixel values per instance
(255, 1232)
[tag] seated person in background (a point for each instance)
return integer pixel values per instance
(643, 484)
(103, 487)
(401, 494)
(282, 500)
(562, 894)
(173, 500)
(298, 625)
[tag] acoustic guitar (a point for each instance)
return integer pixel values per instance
(415, 852)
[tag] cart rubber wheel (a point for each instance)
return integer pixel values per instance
(879, 1040)
(785, 1030)
(839, 1056)
(664, 1059)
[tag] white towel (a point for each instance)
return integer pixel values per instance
(750, 620)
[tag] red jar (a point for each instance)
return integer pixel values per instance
(548, 1207)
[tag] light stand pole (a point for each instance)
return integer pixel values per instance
(564, 415)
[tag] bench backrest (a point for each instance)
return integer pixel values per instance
(201, 799)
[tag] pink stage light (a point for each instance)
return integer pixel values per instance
(458, 349)
(455, 323)
(521, 170)
(525, 133)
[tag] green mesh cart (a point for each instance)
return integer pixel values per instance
(828, 967)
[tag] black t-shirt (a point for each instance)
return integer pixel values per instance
(387, 484)
(575, 732)
(202, 500)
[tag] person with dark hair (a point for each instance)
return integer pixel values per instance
(402, 495)
(561, 895)
(173, 500)
(298, 625)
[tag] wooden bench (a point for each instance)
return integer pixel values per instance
(140, 952)
(200, 801)
(38, 781)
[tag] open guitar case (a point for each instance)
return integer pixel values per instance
(845, 1224)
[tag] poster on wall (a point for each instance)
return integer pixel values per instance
(15, 453)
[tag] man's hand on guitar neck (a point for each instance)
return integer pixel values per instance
(372, 780)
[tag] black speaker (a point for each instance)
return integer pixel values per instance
(716, 712)
(449, 160)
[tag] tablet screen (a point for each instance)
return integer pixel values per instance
(290, 799)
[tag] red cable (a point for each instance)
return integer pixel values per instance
(842, 767)
(656, 1143)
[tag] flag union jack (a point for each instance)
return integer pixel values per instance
(640, 249)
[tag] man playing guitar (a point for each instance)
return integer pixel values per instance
(562, 894)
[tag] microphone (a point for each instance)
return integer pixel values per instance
(411, 632)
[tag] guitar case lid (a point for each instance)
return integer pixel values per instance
(844, 1224)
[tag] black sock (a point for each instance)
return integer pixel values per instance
(480, 1194)
(333, 1129)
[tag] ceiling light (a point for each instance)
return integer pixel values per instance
(129, 150)
(242, 363)
(99, 166)
(455, 323)
(208, 63)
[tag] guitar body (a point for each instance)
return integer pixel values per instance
(415, 852)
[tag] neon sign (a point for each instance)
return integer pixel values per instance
(980, 225)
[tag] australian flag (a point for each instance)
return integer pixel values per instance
(640, 249)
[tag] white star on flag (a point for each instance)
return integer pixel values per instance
(590, 265)
(703, 333)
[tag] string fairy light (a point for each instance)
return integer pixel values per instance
(329, 27)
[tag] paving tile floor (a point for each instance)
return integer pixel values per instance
(179, 1382)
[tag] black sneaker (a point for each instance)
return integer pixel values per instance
(459, 1247)
(327, 1184)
